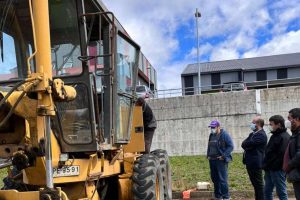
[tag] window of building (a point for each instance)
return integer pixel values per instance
(261, 75)
(240, 76)
(282, 73)
(215, 80)
(189, 85)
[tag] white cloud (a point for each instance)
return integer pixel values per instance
(203, 49)
(285, 43)
(156, 45)
(153, 24)
(170, 75)
(224, 54)
(284, 12)
(229, 49)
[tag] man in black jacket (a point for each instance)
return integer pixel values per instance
(293, 171)
(149, 123)
(274, 175)
(254, 147)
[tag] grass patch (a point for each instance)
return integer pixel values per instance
(3, 173)
(188, 170)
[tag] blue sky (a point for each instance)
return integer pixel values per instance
(8, 55)
(165, 30)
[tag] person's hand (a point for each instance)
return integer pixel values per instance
(220, 158)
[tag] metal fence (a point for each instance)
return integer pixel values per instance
(220, 88)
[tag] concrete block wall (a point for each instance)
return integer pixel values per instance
(183, 121)
(279, 101)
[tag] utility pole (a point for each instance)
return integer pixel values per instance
(198, 15)
(149, 76)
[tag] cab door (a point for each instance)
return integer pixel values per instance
(127, 55)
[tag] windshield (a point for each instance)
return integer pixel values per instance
(65, 42)
(140, 89)
(16, 39)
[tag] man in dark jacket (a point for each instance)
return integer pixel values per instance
(274, 175)
(219, 151)
(254, 146)
(294, 151)
(149, 123)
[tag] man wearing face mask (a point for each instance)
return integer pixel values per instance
(293, 152)
(219, 150)
(274, 175)
(254, 149)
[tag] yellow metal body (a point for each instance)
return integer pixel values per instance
(137, 137)
(32, 195)
(30, 129)
(90, 170)
(15, 195)
(125, 186)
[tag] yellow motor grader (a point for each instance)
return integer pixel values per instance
(69, 127)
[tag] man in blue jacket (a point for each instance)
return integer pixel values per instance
(254, 150)
(219, 151)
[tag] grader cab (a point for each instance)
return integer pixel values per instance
(69, 127)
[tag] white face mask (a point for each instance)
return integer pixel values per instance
(253, 126)
(213, 130)
(287, 124)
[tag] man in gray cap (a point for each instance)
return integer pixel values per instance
(219, 150)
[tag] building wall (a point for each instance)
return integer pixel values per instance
(249, 76)
(272, 74)
(294, 72)
(141, 81)
(148, 70)
(229, 77)
(205, 81)
(183, 121)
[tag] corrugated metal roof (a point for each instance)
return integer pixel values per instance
(246, 64)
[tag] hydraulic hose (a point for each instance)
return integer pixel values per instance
(11, 91)
(12, 109)
(25, 90)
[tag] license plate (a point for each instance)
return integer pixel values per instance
(66, 171)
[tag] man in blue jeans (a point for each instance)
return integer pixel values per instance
(219, 151)
(273, 161)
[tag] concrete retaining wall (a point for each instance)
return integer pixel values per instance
(183, 121)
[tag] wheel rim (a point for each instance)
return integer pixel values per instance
(157, 188)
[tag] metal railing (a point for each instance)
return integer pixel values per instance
(220, 88)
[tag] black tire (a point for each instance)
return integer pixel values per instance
(147, 181)
(166, 171)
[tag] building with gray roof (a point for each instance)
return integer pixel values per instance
(248, 70)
